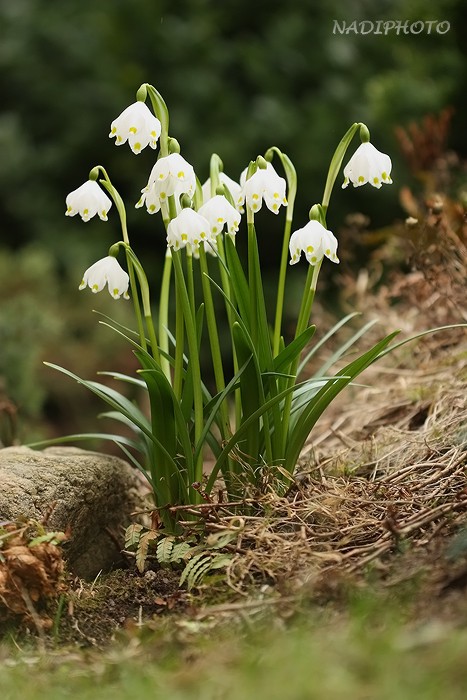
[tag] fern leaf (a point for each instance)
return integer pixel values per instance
(143, 546)
(132, 535)
(164, 550)
(190, 568)
(179, 552)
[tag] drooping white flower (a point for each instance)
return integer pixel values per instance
(368, 165)
(190, 229)
(219, 212)
(106, 271)
(170, 175)
(265, 185)
(87, 200)
(234, 188)
(137, 125)
(315, 241)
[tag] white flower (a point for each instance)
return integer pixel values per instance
(234, 188)
(315, 241)
(219, 212)
(88, 200)
(106, 271)
(368, 165)
(264, 184)
(189, 229)
(137, 125)
(170, 175)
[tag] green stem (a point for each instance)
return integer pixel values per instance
(291, 176)
(146, 302)
(179, 344)
(120, 206)
(162, 113)
(164, 313)
(190, 281)
(251, 274)
(226, 286)
(302, 324)
(307, 299)
(281, 286)
(336, 163)
(214, 339)
(193, 356)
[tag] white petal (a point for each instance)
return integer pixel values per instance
(315, 241)
(106, 271)
(87, 200)
(368, 165)
(138, 125)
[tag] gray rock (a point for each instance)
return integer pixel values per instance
(88, 493)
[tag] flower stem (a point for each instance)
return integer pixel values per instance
(336, 163)
(164, 313)
(192, 340)
(291, 176)
(214, 339)
(120, 206)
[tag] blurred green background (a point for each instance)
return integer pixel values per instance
(238, 77)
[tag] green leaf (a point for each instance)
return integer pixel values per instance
(324, 397)
(343, 349)
(120, 403)
(235, 439)
(79, 437)
(124, 378)
(238, 280)
(324, 340)
(290, 353)
(167, 418)
(251, 391)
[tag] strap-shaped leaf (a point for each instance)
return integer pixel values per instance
(120, 403)
(324, 397)
(290, 353)
(251, 390)
(168, 423)
(238, 280)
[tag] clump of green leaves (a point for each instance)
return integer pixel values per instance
(260, 412)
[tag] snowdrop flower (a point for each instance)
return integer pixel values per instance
(106, 271)
(368, 165)
(170, 175)
(89, 199)
(264, 184)
(137, 125)
(234, 188)
(315, 241)
(190, 229)
(219, 212)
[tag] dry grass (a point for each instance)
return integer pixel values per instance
(385, 468)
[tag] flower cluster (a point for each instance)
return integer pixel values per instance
(275, 410)
(173, 176)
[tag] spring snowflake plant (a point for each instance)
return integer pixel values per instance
(261, 414)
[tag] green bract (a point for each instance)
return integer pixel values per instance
(259, 414)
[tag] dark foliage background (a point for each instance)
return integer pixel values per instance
(237, 77)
